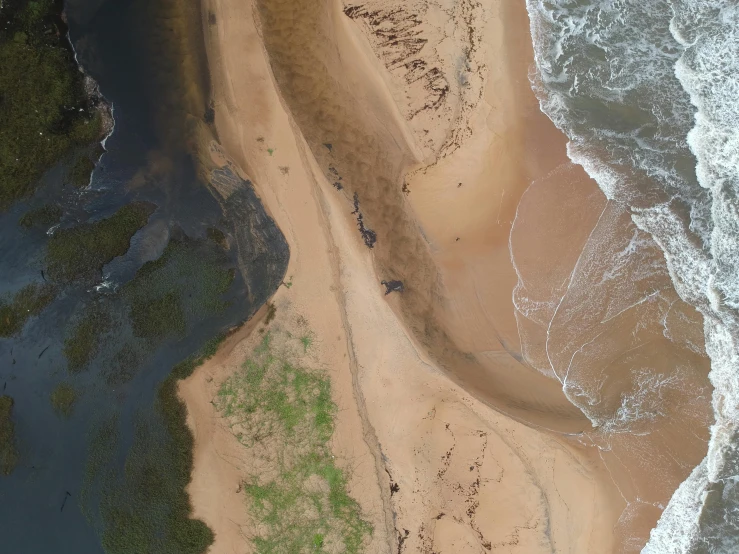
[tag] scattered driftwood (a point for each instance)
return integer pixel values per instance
(368, 235)
(392, 286)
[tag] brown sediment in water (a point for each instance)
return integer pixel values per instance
(426, 114)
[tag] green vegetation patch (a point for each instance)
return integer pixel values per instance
(186, 283)
(147, 508)
(8, 451)
(63, 399)
(79, 174)
(27, 302)
(83, 343)
(284, 413)
(83, 250)
(125, 365)
(44, 110)
(45, 216)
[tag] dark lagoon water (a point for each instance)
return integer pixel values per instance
(62, 497)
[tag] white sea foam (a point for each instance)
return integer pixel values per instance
(672, 68)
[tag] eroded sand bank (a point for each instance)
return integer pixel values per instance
(424, 114)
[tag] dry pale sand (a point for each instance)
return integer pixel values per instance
(424, 110)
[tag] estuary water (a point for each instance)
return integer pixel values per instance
(66, 494)
(646, 91)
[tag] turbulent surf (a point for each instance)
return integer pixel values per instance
(646, 91)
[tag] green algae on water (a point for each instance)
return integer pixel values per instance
(63, 399)
(27, 302)
(82, 251)
(8, 450)
(45, 112)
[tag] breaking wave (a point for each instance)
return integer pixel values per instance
(647, 92)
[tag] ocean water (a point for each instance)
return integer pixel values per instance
(647, 92)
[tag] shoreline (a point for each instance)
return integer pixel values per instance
(434, 457)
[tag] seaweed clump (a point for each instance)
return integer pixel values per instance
(27, 302)
(82, 251)
(8, 451)
(45, 109)
(368, 235)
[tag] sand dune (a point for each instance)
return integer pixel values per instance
(412, 128)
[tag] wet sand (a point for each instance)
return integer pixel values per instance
(456, 436)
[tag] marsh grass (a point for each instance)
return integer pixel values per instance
(63, 399)
(8, 450)
(46, 216)
(26, 303)
(83, 343)
(82, 251)
(148, 510)
(186, 283)
(44, 112)
(79, 174)
(283, 412)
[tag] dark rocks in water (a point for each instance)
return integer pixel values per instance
(368, 235)
(392, 286)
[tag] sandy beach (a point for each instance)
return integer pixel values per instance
(421, 119)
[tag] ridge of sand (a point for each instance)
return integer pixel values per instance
(434, 468)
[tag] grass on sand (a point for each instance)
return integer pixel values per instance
(283, 412)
